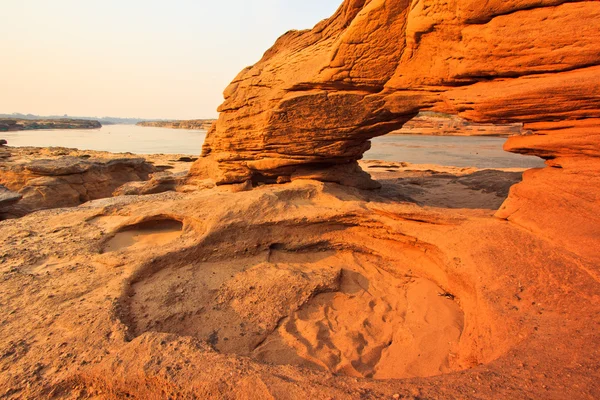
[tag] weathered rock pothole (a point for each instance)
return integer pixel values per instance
(144, 234)
(332, 310)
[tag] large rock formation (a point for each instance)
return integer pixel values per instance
(314, 290)
(318, 96)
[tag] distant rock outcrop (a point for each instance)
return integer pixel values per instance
(34, 178)
(197, 124)
(433, 124)
(36, 124)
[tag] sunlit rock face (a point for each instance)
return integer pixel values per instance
(309, 107)
(318, 96)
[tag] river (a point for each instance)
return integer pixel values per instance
(460, 151)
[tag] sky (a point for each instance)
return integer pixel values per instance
(136, 58)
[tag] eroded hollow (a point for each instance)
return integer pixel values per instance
(145, 234)
(333, 310)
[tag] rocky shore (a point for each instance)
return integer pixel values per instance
(281, 266)
(34, 178)
(8, 125)
(199, 124)
(433, 124)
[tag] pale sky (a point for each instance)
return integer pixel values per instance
(136, 58)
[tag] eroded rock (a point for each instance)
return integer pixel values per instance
(291, 291)
(7, 199)
(317, 96)
(69, 181)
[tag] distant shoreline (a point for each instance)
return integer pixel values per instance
(12, 125)
(193, 124)
(435, 124)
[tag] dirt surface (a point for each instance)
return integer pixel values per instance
(299, 290)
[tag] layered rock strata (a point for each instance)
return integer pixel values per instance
(42, 178)
(68, 182)
(316, 97)
(65, 180)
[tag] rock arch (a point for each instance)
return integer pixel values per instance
(318, 96)
(309, 107)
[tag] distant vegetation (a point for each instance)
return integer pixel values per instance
(201, 124)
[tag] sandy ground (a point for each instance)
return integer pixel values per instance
(302, 290)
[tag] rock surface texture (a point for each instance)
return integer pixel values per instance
(36, 178)
(313, 290)
(318, 96)
(306, 290)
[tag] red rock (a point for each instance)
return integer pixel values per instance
(318, 96)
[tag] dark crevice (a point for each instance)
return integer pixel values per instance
(339, 86)
(515, 75)
(484, 21)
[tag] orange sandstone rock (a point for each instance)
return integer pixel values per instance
(318, 96)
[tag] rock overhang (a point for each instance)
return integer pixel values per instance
(317, 96)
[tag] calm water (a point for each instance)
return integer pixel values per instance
(482, 152)
(114, 138)
(459, 151)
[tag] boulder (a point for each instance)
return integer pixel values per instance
(68, 181)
